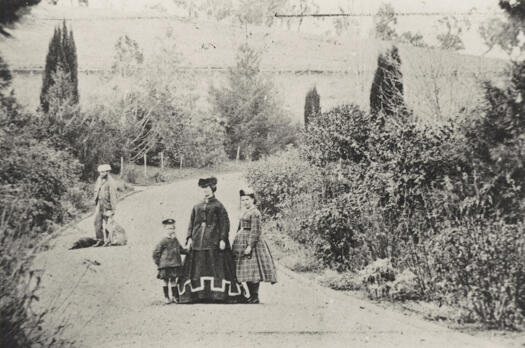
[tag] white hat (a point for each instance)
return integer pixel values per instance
(104, 168)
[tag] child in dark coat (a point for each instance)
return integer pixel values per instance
(167, 257)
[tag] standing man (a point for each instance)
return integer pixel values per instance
(106, 203)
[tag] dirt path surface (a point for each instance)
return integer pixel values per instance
(119, 302)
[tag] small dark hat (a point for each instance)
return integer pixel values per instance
(168, 221)
(248, 192)
(211, 181)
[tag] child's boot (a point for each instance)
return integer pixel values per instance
(166, 295)
(174, 294)
(254, 293)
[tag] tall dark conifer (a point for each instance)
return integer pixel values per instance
(386, 94)
(312, 106)
(61, 53)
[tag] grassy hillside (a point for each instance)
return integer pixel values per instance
(437, 83)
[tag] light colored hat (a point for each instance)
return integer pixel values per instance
(104, 168)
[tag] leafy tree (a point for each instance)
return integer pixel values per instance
(62, 54)
(505, 33)
(312, 105)
(412, 39)
(498, 32)
(385, 23)
(451, 30)
(496, 145)
(128, 55)
(515, 9)
(386, 94)
(11, 11)
(249, 110)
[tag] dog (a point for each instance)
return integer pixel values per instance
(116, 236)
(85, 242)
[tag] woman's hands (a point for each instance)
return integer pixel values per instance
(222, 245)
(189, 243)
(248, 250)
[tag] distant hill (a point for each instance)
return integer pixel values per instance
(342, 69)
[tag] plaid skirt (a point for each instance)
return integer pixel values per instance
(256, 267)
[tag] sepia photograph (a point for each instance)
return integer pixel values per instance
(262, 173)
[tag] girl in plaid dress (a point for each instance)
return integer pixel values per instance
(253, 260)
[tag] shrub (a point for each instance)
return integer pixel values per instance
(204, 144)
(484, 263)
(131, 175)
(280, 178)
(36, 177)
(19, 325)
(341, 281)
(377, 277)
(339, 134)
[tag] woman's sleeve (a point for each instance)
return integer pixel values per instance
(190, 227)
(255, 231)
(157, 252)
(224, 224)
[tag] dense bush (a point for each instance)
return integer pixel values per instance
(280, 178)
(442, 204)
(482, 266)
(204, 144)
(34, 179)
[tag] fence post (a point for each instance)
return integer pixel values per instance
(145, 166)
(121, 166)
(181, 157)
(162, 161)
(238, 154)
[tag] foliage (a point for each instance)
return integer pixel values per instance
(341, 280)
(33, 172)
(61, 55)
(481, 266)
(498, 32)
(85, 134)
(377, 277)
(20, 326)
(278, 179)
(11, 11)
(312, 106)
(385, 22)
(128, 56)
(412, 39)
(249, 109)
(386, 94)
(451, 30)
(204, 146)
(340, 133)
(495, 142)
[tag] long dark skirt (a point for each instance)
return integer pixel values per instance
(209, 276)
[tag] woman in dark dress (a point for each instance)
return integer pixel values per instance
(209, 271)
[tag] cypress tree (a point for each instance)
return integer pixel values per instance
(386, 94)
(312, 106)
(71, 57)
(61, 53)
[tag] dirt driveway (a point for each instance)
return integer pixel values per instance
(119, 302)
